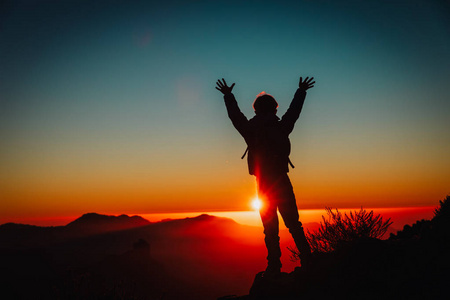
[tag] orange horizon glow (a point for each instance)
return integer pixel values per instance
(313, 190)
(399, 215)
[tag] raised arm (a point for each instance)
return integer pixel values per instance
(290, 117)
(240, 122)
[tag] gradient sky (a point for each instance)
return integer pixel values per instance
(110, 107)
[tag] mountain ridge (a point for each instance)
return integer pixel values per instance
(94, 223)
(190, 258)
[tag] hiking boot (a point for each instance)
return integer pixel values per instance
(306, 259)
(272, 271)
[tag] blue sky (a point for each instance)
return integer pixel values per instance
(116, 101)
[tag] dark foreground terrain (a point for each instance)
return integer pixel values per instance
(206, 257)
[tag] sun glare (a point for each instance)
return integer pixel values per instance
(256, 203)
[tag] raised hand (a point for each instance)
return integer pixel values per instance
(223, 87)
(306, 84)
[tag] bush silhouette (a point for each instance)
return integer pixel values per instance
(338, 228)
(437, 228)
(419, 229)
(443, 211)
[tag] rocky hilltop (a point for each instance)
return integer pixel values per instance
(412, 264)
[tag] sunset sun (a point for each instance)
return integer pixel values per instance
(256, 203)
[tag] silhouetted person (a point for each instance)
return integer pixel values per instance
(267, 138)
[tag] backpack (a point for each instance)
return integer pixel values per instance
(268, 146)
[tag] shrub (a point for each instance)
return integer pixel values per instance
(338, 228)
(417, 230)
(443, 211)
(441, 221)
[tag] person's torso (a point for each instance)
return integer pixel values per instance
(268, 144)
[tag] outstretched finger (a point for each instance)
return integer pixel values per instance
(231, 87)
(218, 89)
(306, 79)
(224, 82)
(311, 82)
(220, 84)
(300, 79)
(311, 79)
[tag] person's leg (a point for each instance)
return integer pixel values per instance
(269, 218)
(288, 209)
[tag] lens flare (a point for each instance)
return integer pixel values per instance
(256, 203)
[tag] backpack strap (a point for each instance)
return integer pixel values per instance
(245, 153)
(289, 160)
(290, 163)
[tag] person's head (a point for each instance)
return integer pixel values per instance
(265, 104)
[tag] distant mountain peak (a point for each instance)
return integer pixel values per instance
(97, 223)
(204, 217)
(96, 217)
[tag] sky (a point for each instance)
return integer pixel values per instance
(110, 106)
